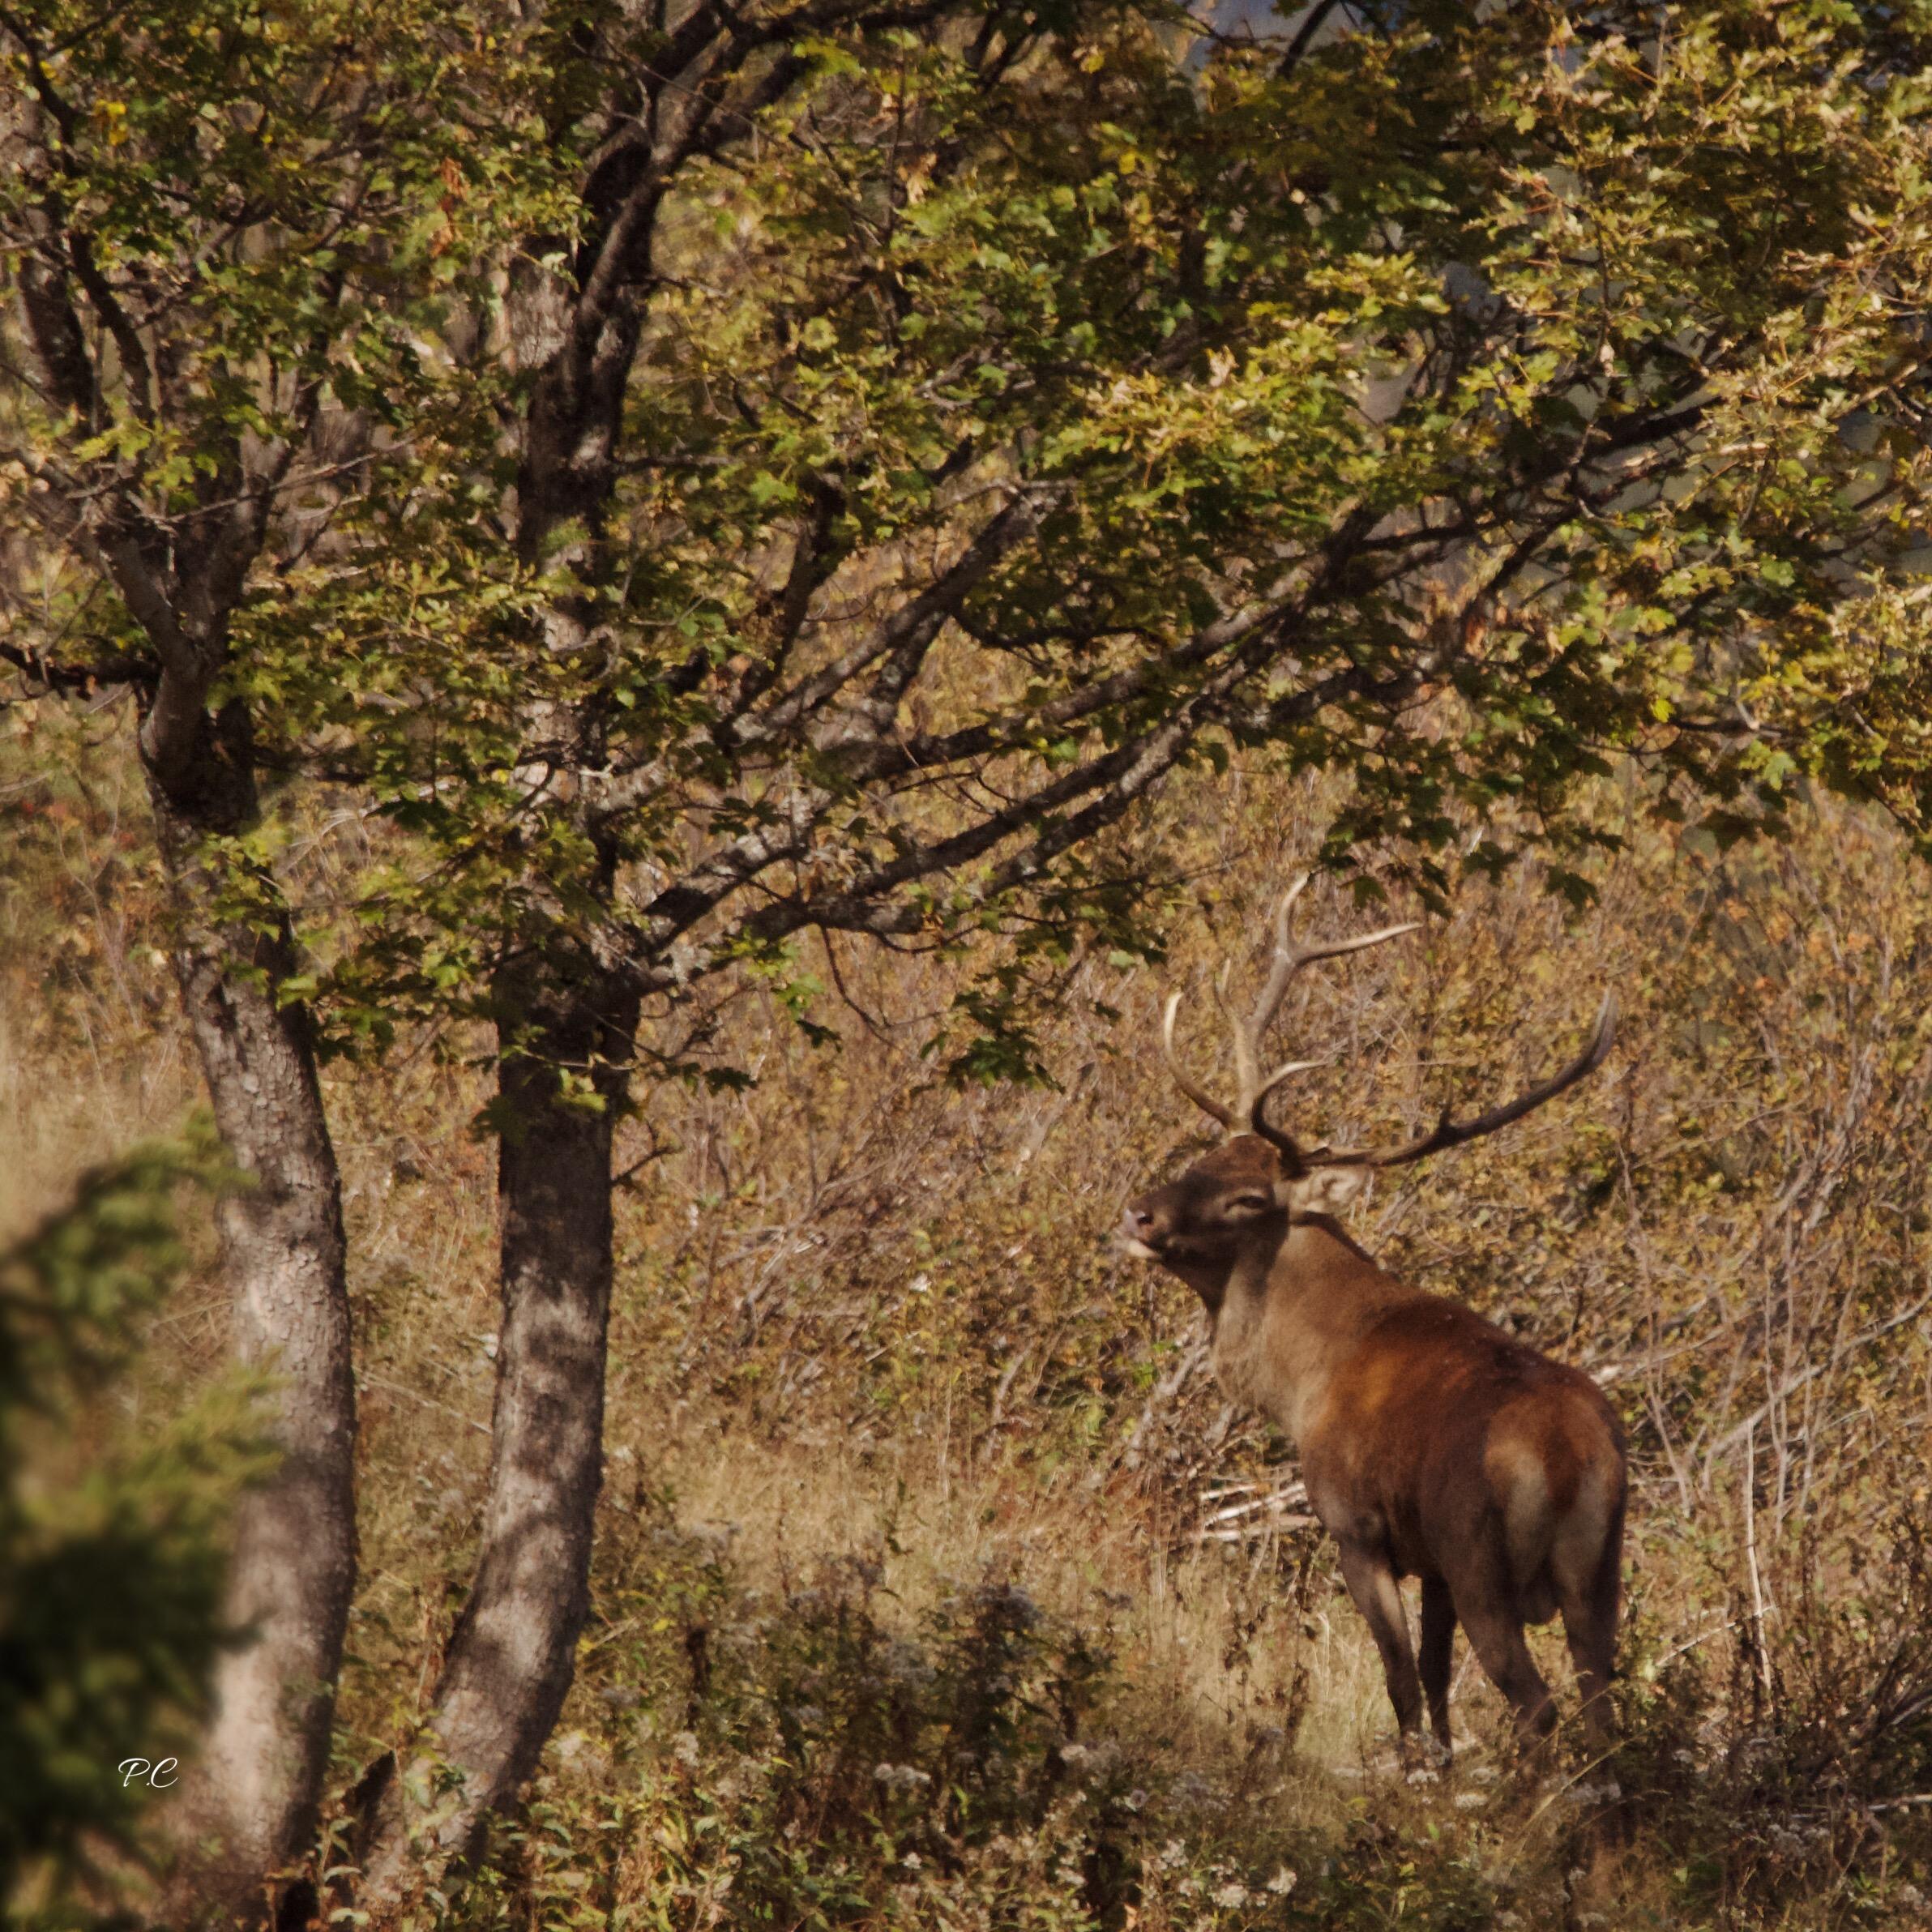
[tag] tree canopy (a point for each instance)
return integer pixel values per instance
(816, 469)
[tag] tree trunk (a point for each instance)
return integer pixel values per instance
(511, 1656)
(249, 1806)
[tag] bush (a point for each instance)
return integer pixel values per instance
(111, 1537)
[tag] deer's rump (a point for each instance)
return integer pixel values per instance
(1466, 1455)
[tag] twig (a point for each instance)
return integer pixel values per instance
(1691, 1643)
(1791, 1386)
(1751, 1556)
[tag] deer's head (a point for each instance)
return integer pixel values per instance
(1249, 1188)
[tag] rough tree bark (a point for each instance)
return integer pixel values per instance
(511, 1658)
(248, 1806)
(576, 332)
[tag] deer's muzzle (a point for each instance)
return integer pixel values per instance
(1144, 1231)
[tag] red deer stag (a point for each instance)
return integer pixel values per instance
(1434, 1444)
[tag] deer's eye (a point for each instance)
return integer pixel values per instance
(1251, 1203)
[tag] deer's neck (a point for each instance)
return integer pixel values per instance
(1291, 1312)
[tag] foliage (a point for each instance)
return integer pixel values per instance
(1025, 418)
(830, 500)
(811, 1759)
(234, 238)
(112, 1537)
(1016, 333)
(1787, 1765)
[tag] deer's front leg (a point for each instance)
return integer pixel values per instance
(1371, 1581)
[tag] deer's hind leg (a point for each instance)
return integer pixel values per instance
(1588, 1585)
(1488, 1610)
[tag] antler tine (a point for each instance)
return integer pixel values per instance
(1251, 1089)
(1447, 1133)
(1198, 1095)
(1282, 968)
(1293, 1159)
(1281, 1074)
(1289, 961)
(1357, 944)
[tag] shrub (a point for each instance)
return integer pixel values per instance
(111, 1536)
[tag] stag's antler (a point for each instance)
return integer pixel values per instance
(1446, 1132)
(1252, 1090)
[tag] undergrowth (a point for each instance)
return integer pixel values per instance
(823, 1751)
(821, 1754)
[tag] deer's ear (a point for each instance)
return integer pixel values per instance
(1328, 1191)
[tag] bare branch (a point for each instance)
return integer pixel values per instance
(1316, 20)
(54, 674)
(910, 629)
